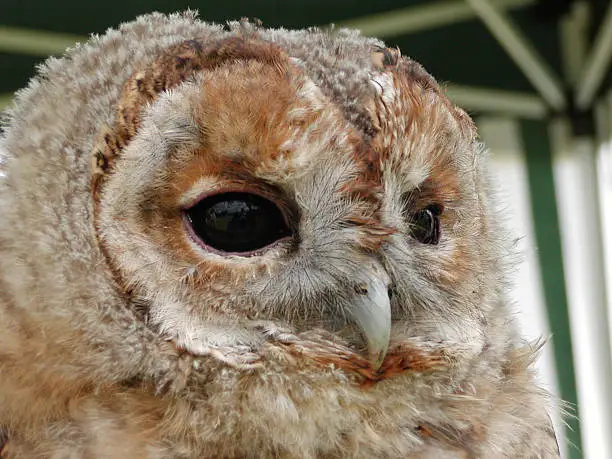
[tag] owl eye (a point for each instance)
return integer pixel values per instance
(425, 224)
(237, 222)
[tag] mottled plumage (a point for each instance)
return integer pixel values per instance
(376, 324)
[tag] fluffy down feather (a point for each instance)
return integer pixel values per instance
(121, 336)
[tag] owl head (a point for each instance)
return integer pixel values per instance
(249, 182)
(289, 202)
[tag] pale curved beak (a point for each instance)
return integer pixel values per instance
(371, 312)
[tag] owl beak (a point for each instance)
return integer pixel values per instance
(371, 312)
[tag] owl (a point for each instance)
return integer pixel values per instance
(233, 242)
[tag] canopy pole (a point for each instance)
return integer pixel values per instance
(597, 63)
(413, 19)
(576, 189)
(5, 100)
(520, 50)
(497, 101)
(35, 42)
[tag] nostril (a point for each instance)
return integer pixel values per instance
(390, 291)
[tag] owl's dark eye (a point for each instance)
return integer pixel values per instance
(425, 225)
(237, 222)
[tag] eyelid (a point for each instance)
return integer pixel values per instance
(211, 185)
(225, 190)
(204, 186)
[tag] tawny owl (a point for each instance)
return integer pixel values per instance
(245, 242)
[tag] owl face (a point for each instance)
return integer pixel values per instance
(238, 202)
